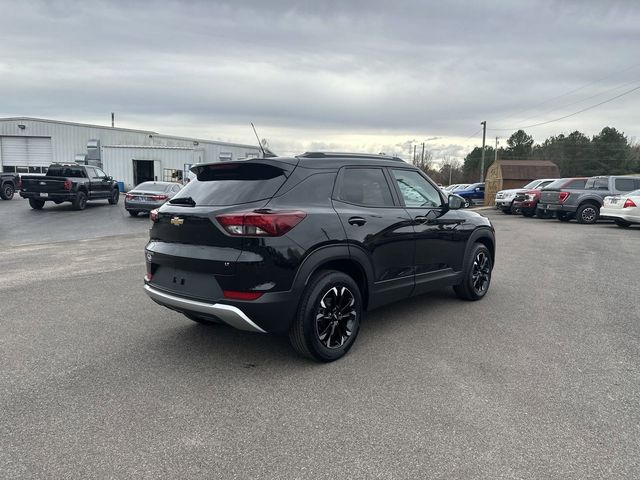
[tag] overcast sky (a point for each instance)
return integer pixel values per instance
(355, 75)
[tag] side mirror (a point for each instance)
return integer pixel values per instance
(108, 178)
(456, 202)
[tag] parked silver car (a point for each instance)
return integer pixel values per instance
(149, 195)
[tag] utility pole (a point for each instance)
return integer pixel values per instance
(113, 120)
(495, 156)
(450, 166)
(484, 137)
(414, 154)
(422, 157)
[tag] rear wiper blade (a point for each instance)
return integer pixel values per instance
(183, 201)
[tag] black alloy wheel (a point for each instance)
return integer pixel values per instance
(467, 203)
(80, 201)
(588, 214)
(115, 195)
(477, 274)
(328, 318)
(336, 317)
(7, 191)
(36, 204)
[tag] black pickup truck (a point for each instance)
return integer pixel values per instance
(69, 183)
(9, 183)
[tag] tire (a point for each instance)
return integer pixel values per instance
(7, 191)
(528, 213)
(541, 214)
(622, 223)
(80, 202)
(318, 330)
(36, 204)
(514, 210)
(563, 216)
(133, 213)
(477, 274)
(467, 203)
(588, 213)
(506, 211)
(114, 196)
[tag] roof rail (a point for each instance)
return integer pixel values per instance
(363, 156)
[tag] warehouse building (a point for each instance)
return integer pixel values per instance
(30, 145)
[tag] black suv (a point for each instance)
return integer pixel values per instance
(306, 245)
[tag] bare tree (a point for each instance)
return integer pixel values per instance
(425, 162)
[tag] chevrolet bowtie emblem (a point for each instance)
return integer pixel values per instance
(177, 221)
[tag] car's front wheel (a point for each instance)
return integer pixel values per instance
(476, 275)
(328, 317)
(133, 213)
(467, 203)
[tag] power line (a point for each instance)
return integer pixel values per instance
(566, 116)
(571, 91)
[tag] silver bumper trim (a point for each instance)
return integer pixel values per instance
(229, 314)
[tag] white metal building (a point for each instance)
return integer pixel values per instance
(30, 145)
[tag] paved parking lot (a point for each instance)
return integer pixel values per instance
(541, 379)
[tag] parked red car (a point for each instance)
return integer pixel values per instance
(527, 201)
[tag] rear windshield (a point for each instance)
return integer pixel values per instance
(62, 171)
(229, 184)
(556, 184)
(151, 187)
(596, 183)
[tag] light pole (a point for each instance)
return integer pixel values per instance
(484, 137)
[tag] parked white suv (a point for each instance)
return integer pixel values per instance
(504, 198)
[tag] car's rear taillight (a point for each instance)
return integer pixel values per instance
(153, 215)
(67, 185)
(259, 223)
(563, 196)
(159, 197)
(234, 295)
(128, 196)
(629, 203)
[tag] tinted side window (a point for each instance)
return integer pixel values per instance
(365, 186)
(577, 184)
(415, 190)
(625, 184)
(597, 184)
(100, 173)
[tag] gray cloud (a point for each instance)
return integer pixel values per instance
(321, 73)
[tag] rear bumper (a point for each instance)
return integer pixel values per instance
(620, 214)
(229, 314)
(142, 206)
(557, 207)
(64, 197)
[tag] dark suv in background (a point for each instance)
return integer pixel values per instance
(306, 245)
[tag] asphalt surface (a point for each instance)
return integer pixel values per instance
(541, 379)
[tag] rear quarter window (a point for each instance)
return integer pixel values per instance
(61, 171)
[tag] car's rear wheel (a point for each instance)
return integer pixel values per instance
(36, 204)
(477, 274)
(588, 213)
(114, 196)
(80, 202)
(528, 213)
(467, 203)
(7, 191)
(328, 317)
(622, 223)
(133, 213)
(563, 216)
(507, 211)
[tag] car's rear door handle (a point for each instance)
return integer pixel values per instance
(420, 219)
(357, 221)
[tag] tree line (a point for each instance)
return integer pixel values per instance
(607, 153)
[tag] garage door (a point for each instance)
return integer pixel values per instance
(26, 151)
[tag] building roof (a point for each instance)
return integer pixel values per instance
(527, 169)
(131, 130)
